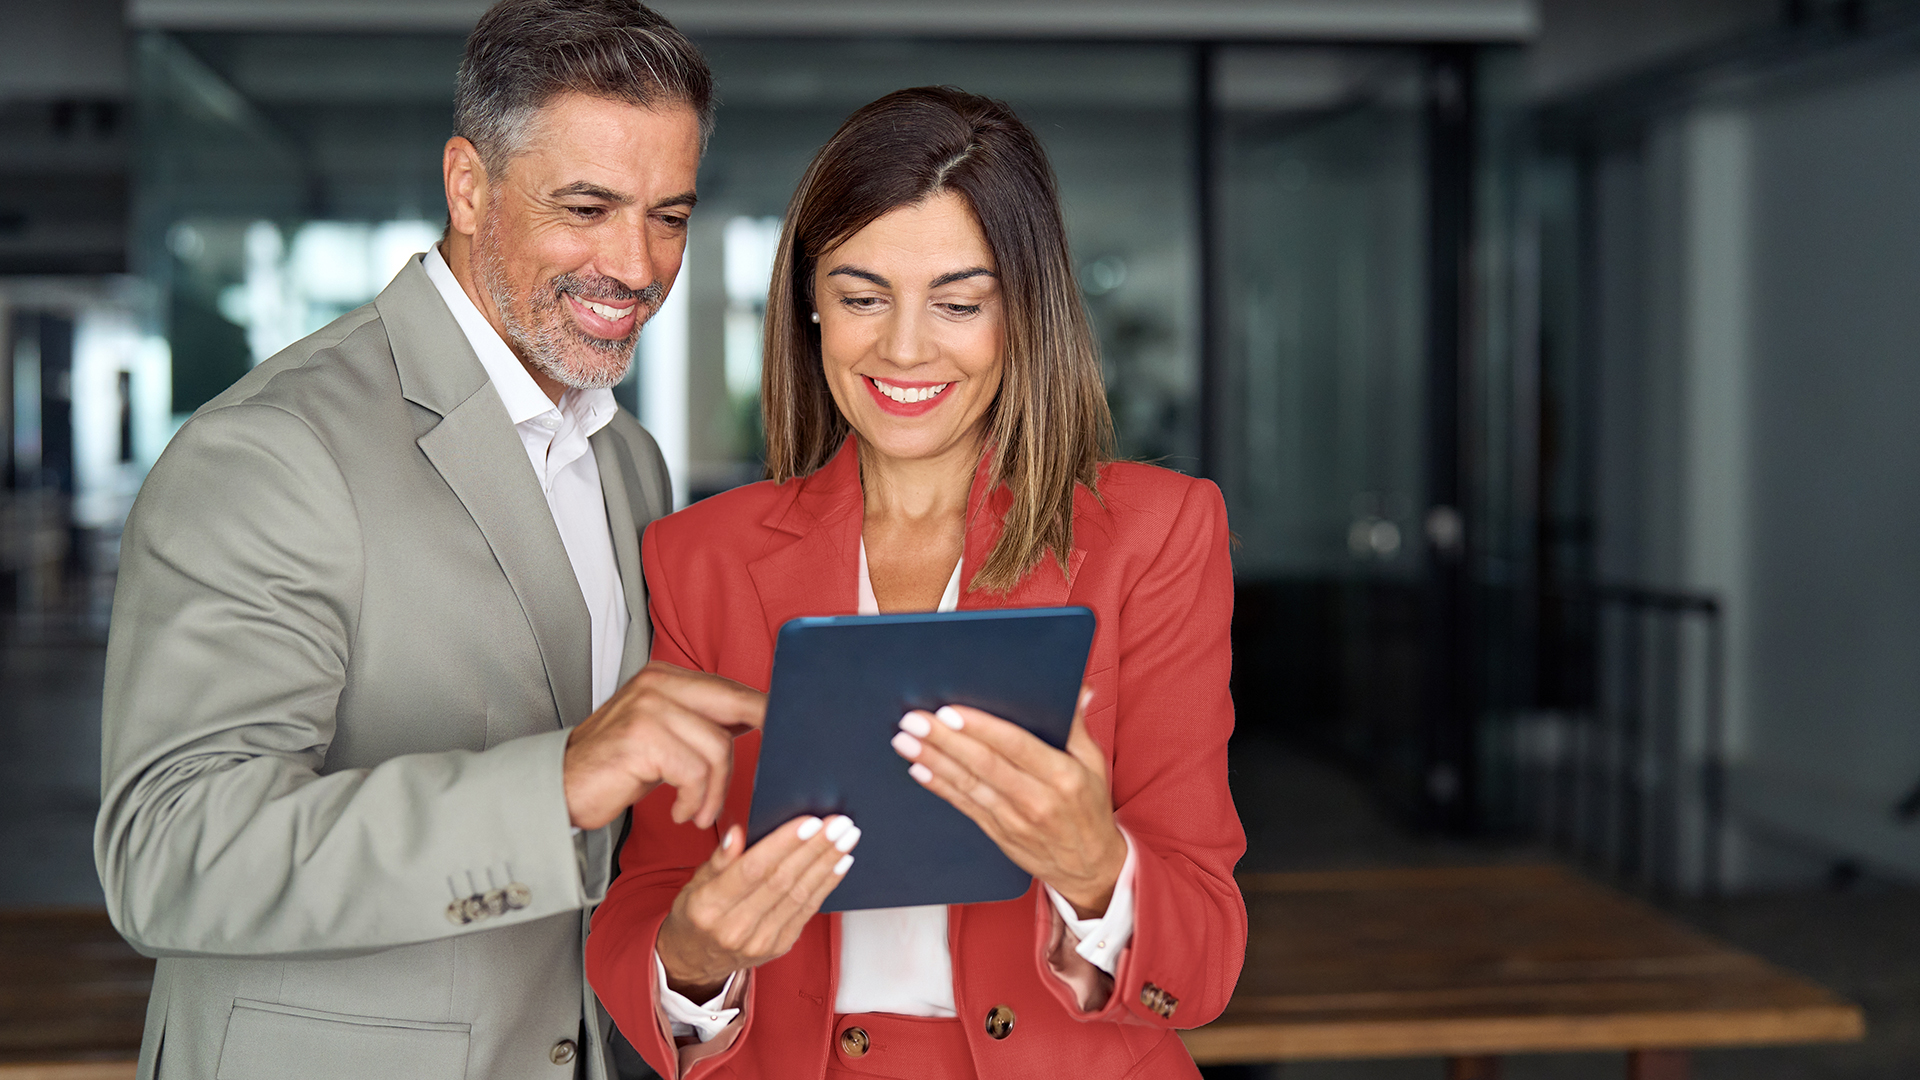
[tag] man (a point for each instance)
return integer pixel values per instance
(369, 592)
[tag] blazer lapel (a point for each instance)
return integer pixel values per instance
(616, 470)
(477, 453)
(1044, 586)
(815, 574)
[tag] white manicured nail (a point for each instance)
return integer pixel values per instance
(907, 745)
(916, 724)
(845, 863)
(846, 842)
(950, 716)
(809, 827)
(837, 828)
(920, 772)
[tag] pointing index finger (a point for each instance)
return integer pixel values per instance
(725, 702)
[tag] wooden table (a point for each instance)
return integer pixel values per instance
(73, 997)
(1459, 963)
(1472, 963)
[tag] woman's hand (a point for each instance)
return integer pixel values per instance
(744, 908)
(1049, 811)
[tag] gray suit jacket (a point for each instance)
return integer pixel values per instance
(346, 646)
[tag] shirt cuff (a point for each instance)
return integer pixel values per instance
(1103, 939)
(702, 1022)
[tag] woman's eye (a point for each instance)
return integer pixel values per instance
(860, 303)
(962, 309)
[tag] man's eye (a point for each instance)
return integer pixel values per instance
(584, 213)
(674, 221)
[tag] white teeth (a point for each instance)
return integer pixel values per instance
(908, 395)
(611, 314)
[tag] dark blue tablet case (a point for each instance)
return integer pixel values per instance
(840, 686)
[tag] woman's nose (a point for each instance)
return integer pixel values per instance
(906, 341)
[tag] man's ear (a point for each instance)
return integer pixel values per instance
(466, 181)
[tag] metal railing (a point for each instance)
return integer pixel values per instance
(1634, 785)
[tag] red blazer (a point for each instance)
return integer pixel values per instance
(1150, 559)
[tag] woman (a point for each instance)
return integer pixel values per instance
(937, 435)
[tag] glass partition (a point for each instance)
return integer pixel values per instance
(286, 177)
(1322, 247)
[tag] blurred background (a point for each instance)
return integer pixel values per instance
(1559, 360)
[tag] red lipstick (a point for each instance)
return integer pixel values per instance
(905, 408)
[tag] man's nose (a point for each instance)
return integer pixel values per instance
(629, 257)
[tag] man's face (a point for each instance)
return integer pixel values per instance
(580, 240)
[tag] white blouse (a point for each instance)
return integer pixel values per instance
(897, 960)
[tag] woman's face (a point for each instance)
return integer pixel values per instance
(912, 330)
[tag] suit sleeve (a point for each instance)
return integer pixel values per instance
(1169, 781)
(220, 832)
(657, 861)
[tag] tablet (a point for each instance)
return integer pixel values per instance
(840, 686)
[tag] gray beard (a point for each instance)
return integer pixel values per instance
(542, 332)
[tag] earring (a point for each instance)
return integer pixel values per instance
(816, 316)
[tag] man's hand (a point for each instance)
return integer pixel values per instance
(743, 909)
(667, 725)
(1049, 811)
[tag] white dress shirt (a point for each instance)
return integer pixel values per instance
(897, 960)
(555, 438)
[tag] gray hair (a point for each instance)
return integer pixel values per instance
(525, 53)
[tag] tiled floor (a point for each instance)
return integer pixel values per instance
(1299, 814)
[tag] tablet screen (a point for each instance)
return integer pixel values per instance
(840, 686)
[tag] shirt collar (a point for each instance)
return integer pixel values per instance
(518, 392)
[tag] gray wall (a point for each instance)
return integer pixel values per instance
(1834, 712)
(1758, 344)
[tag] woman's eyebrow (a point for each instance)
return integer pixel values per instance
(864, 275)
(962, 275)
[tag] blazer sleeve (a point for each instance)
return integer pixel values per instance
(219, 833)
(656, 862)
(1169, 784)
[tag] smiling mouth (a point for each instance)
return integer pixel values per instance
(908, 395)
(605, 311)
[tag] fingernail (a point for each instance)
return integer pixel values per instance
(845, 863)
(920, 772)
(837, 828)
(810, 826)
(907, 745)
(1085, 697)
(916, 724)
(846, 842)
(950, 716)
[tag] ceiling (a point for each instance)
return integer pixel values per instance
(1365, 20)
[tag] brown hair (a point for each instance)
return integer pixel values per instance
(1048, 429)
(525, 53)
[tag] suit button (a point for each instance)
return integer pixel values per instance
(563, 1052)
(853, 1042)
(1159, 1001)
(999, 1021)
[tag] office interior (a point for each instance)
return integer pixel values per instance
(1559, 362)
